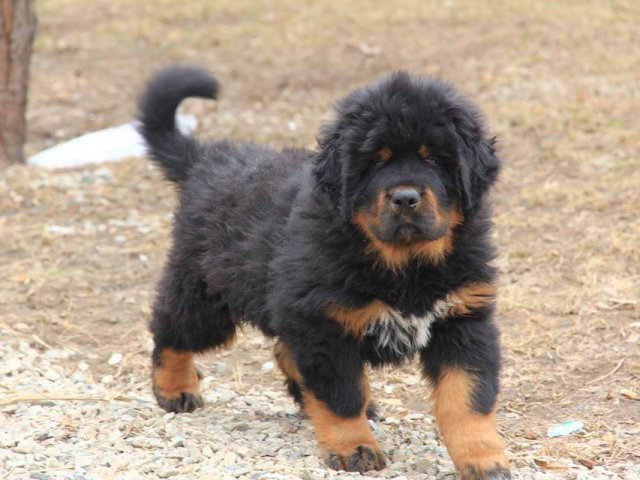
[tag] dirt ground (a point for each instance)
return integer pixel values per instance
(559, 82)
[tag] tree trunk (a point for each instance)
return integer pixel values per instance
(17, 29)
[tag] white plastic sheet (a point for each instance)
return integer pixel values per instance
(108, 145)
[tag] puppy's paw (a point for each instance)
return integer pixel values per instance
(182, 402)
(176, 382)
(362, 459)
(473, 473)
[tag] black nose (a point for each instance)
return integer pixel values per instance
(405, 198)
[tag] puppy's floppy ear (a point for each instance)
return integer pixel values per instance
(328, 165)
(478, 164)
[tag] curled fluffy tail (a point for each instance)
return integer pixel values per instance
(168, 147)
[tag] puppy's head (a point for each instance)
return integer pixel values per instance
(406, 160)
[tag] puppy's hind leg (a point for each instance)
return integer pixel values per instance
(293, 381)
(186, 320)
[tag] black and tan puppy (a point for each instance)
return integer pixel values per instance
(369, 250)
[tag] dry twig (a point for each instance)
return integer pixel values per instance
(606, 375)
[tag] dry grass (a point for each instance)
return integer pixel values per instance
(560, 84)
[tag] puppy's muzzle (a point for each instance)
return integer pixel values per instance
(409, 215)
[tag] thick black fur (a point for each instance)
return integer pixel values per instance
(265, 236)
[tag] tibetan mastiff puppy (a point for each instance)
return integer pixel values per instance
(371, 249)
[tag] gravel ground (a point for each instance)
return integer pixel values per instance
(61, 420)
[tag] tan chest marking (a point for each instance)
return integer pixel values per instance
(400, 332)
(471, 296)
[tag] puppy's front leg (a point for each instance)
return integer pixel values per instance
(462, 361)
(335, 395)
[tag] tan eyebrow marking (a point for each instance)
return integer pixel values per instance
(424, 152)
(385, 154)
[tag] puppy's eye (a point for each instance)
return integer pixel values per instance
(384, 155)
(426, 155)
(431, 160)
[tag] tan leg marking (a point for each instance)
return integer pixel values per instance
(174, 379)
(286, 363)
(471, 438)
(347, 443)
(339, 438)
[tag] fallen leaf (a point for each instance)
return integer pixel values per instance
(633, 338)
(21, 278)
(549, 465)
(587, 463)
(629, 394)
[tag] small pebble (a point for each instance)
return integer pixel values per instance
(83, 461)
(39, 476)
(177, 442)
(52, 375)
(229, 458)
(27, 445)
(7, 440)
(115, 359)
(207, 452)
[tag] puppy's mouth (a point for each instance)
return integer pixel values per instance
(407, 233)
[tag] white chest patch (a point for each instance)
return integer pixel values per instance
(405, 334)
